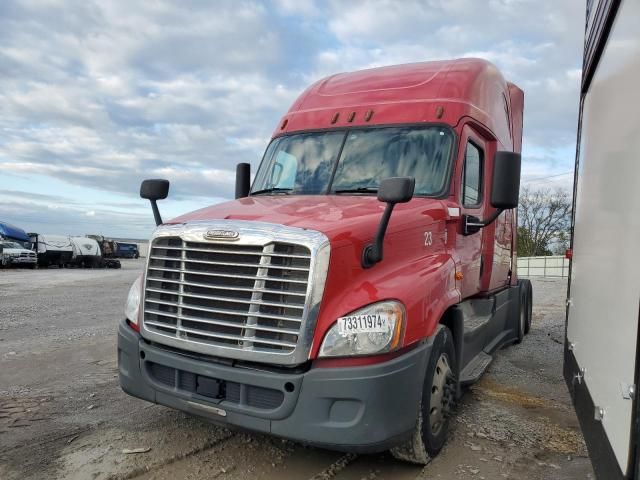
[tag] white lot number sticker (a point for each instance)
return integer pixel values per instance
(377, 323)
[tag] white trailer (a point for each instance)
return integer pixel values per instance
(86, 252)
(603, 305)
(52, 249)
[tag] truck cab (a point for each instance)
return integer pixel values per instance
(13, 253)
(346, 296)
(127, 250)
(14, 243)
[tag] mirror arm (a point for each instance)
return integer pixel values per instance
(372, 253)
(492, 218)
(156, 212)
(470, 221)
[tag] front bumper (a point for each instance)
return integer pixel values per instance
(22, 260)
(362, 409)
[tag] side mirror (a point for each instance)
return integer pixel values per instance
(505, 190)
(243, 180)
(155, 189)
(506, 180)
(391, 191)
(396, 189)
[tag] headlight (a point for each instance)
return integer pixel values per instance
(376, 328)
(132, 307)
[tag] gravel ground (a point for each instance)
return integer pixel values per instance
(63, 415)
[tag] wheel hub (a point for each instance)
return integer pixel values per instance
(442, 394)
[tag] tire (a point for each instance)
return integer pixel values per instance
(525, 310)
(436, 404)
(527, 326)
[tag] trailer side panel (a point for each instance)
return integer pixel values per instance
(602, 321)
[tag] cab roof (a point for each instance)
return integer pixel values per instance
(442, 91)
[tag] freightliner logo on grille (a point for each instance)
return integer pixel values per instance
(221, 235)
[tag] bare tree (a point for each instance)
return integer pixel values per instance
(544, 219)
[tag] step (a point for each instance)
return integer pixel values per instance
(475, 368)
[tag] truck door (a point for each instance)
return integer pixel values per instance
(601, 351)
(501, 254)
(471, 164)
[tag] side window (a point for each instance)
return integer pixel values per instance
(472, 176)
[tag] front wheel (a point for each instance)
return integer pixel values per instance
(436, 404)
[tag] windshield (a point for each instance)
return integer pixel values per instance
(11, 245)
(355, 160)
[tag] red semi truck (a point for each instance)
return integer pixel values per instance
(367, 274)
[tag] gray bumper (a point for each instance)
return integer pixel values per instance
(364, 409)
(23, 260)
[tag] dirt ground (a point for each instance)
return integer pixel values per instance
(63, 415)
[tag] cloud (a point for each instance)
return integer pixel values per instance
(103, 94)
(537, 45)
(71, 219)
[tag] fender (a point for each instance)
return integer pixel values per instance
(420, 275)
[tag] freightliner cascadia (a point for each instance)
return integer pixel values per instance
(365, 276)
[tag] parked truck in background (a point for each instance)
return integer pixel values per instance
(13, 254)
(602, 363)
(14, 247)
(127, 250)
(366, 276)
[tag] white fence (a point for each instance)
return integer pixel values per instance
(543, 267)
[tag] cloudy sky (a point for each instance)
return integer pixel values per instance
(96, 96)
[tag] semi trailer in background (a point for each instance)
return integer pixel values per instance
(52, 249)
(368, 273)
(602, 365)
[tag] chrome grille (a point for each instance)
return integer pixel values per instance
(244, 297)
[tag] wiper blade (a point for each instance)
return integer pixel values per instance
(284, 191)
(357, 190)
